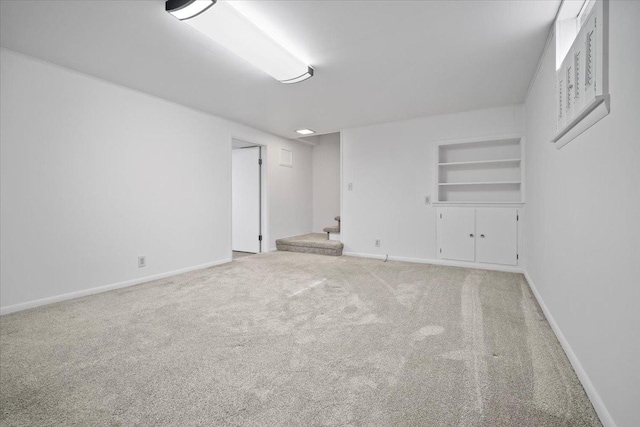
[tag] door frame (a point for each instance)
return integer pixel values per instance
(264, 211)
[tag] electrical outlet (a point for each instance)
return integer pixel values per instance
(377, 243)
(142, 261)
(427, 200)
(350, 186)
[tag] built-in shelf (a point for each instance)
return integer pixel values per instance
(482, 162)
(482, 183)
(484, 170)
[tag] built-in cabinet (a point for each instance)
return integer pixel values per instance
(482, 235)
(480, 190)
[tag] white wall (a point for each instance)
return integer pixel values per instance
(94, 175)
(326, 181)
(391, 167)
(582, 225)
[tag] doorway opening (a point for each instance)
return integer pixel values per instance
(247, 198)
(326, 155)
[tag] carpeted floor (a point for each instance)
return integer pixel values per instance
(237, 254)
(293, 339)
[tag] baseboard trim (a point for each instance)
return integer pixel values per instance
(589, 388)
(493, 267)
(105, 288)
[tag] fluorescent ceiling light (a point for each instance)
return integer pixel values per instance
(224, 24)
(305, 131)
(182, 9)
(301, 78)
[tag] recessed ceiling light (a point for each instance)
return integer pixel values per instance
(305, 131)
(227, 26)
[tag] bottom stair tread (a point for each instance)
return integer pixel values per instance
(313, 243)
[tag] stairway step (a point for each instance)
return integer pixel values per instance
(331, 229)
(337, 218)
(313, 243)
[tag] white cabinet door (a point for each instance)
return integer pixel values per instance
(456, 234)
(497, 236)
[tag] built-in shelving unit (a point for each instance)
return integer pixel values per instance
(480, 183)
(481, 162)
(484, 170)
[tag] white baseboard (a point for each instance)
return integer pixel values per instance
(596, 400)
(494, 267)
(105, 288)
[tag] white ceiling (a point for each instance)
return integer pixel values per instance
(375, 61)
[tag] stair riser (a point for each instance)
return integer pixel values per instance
(310, 250)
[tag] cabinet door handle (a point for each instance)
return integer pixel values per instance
(471, 235)
(482, 235)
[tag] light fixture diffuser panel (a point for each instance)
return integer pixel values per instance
(187, 9)
(301, 78)
(229, 28)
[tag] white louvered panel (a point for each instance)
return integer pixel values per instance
(588, 50)
(581, 81)
(560, 100)
(590, 58)
(576, 73)
(578, 77)
(568, 72)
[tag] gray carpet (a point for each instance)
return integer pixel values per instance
(293, 339)
(238, 254)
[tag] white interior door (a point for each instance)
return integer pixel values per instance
(456, 231)
(245, 199)
(497, 236)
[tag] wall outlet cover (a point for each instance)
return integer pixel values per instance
(142, 261)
